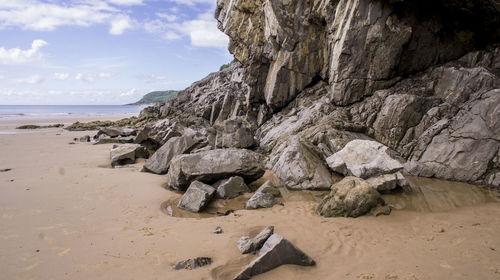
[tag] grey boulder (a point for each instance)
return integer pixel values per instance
(388, 182)
(160, 161)
(351, 197)
(235, 133)
(364, 159)
(231, 188)
(261, 200)
(116, 131)
(104, 139)
(268, 187)
(246, 244)
(275, 252)
(213, 165)
(196, 197)
(126, 153)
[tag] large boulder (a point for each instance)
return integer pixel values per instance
(104, 139)
(231, 188)
(126, 153)
(364, 159)
(299, 166)
(213, 165)
(196, 197)
(275, 252)
(351, 197)
(235, 133)
(247, 244)
(160, 161)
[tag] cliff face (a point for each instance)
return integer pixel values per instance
(421, 77)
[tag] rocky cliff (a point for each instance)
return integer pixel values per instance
(421, 77)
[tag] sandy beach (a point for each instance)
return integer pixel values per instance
(65, 214)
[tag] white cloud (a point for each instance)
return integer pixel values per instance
(104, 75)
(130, 92)
(35, 79)
(61, 76)
(120, 24)
(202, 31)
(18, 56)
(168, 17)
(90, 78)
(42, 16)
(193, 2)
(2, 77)
(152, 78)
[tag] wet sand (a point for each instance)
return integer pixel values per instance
(66, 215)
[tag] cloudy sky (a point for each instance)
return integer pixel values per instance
(104, 51)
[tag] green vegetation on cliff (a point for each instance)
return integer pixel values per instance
(157, 97)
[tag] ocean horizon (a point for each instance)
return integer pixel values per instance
(19, 112)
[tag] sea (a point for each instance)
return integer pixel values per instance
(26, 112)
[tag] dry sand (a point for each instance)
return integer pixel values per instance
(66, 215)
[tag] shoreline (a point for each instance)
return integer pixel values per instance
(66, 215)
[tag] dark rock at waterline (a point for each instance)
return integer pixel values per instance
(261, 200)
(126, 154)
(193, 263)
(196, 197)
(231, 188)
(351, 197)
(246, 244)
(5, 169)
(213, 165)
(32, 126)
(85, 138)
(275, 252)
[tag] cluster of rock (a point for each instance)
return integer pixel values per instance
(275, 251)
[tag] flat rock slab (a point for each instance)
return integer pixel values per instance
(193, 263)
(196, 197)
(388, 182)
(116, 131)
(364, 159)
(231, 188)
(103, 139)
(126, 153)
(246, 244)
(351, 197)
(213, 165)
(160, 161)
(275, 252)
(261, 200)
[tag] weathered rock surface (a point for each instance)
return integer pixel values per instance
(116, 131)
(235, 133)
(299, 166)
(364, 159)
(104, 139)
(193, 263)
(268, 187)
(261, 200)
(126, 153)
(351, 197)
(160, 160)
(213, 165)
(197, 196)
(230, 188)
(247, 245)
(388, 182)
(275, 252)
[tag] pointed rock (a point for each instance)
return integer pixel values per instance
(276, 251)
(231, 188)
(261, 200)
(196, 197)
(160, 161)
(247, 244)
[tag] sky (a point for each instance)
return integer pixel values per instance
(104, 51)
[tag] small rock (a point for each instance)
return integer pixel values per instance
(231, 188)
(193, 263)
(218, 230)
(249, 245)
(5, 169)
(351, 197)
(160, 161)
(268, 187)
(85, 138)
(72, 143)
(126, 153)
(381, 210)
(276, 251)
(261, 200)
(196, 197)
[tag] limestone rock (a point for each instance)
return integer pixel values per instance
(235, 133)
(193, 263)
(388, 182)
(160, 161)
(248, 245)
(268, 187)
(213, 165)
(299, 166)
(126, 153)
(196, 197)
(261, 200)
(364, 159)
(231, 188)
(351, 197)
(275, 252)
